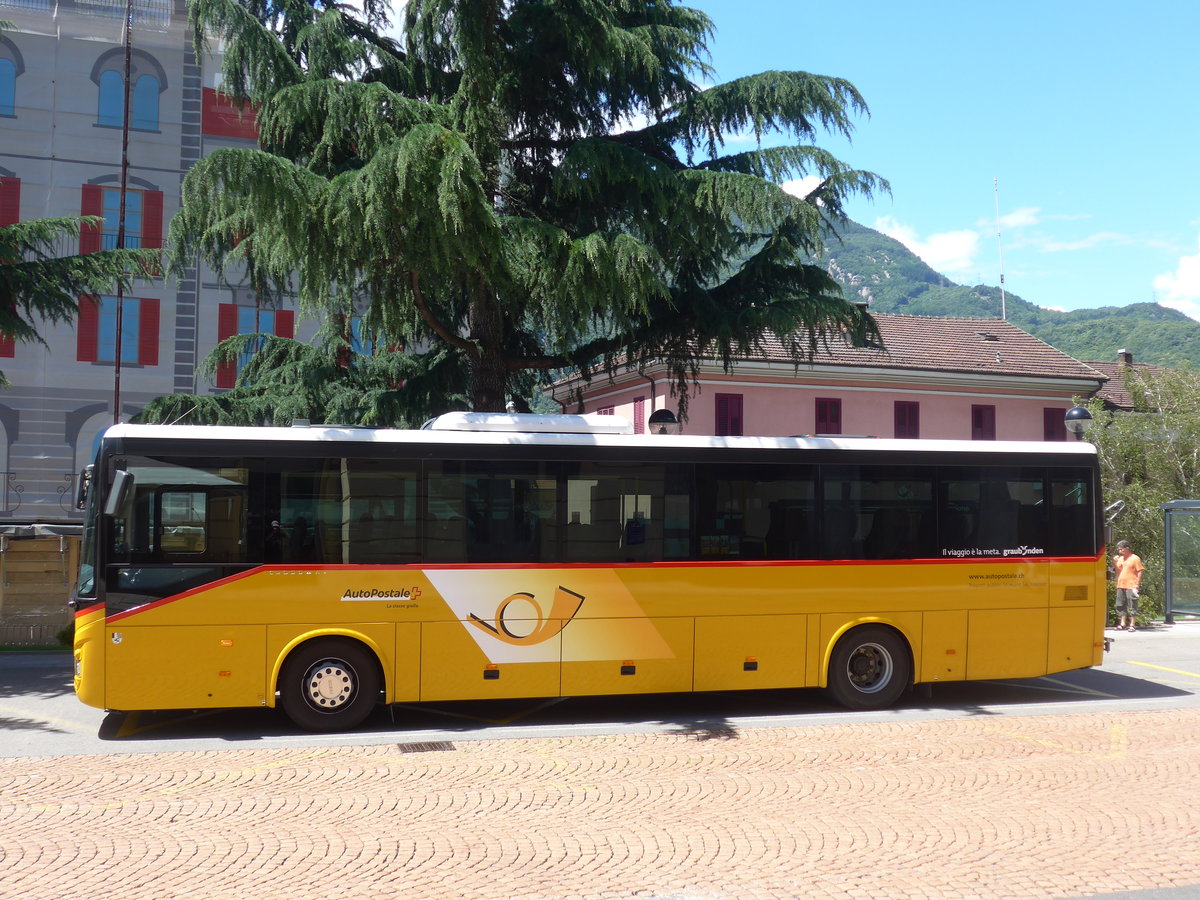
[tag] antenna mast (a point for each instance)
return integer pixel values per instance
(1000, 242)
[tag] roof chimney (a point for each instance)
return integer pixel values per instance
(1124, 359)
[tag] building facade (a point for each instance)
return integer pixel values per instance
(931, 377)
(62, 93)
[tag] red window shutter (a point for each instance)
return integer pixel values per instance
(87, 335)
(729, 414)
(93, 205)
(152, 219)
(285, 323)
(1054, 424)
(639, 415)
(907, 419)
(220, 115)
(8, 347)
(226, 328)
(983, 423)
(10, 201)
(829, 415)
(148, 332)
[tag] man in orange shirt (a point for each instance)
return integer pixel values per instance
(1129, 568)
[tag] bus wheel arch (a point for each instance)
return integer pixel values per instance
(330, 683)
(870, 667)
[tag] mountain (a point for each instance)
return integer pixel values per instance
(880, 270)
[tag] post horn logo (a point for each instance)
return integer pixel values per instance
(566, 604)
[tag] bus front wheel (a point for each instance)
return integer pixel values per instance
(870, 668)
(329, 685)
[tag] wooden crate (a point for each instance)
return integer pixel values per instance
(37, 576)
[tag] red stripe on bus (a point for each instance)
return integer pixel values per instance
(228, 579)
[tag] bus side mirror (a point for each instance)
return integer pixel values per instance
(85, 480)
(122, 482)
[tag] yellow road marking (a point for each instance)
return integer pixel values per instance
(1164, 669)
(1078, 689)
(1062, 687)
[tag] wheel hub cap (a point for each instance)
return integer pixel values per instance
(329, 685)
(870, 668)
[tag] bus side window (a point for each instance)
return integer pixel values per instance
(184, 522)
(620, 512)
(986, 511)
(878, 512)
(1072, 523)
(754, 511)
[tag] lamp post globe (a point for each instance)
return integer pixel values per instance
(1078, 420)
(663, 421)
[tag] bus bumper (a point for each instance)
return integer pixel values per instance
(89, 656)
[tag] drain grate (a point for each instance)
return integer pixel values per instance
(425, 747)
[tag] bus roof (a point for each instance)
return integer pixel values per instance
(181, 434)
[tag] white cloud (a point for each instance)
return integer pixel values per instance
(1099, 239)
(1021, 218)
(801, 187)
(1181, 289)
(952, 253)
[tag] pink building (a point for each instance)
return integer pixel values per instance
(951, 378)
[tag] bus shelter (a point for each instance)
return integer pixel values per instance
(1181, 527)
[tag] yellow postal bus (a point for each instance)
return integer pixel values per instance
(326, 570)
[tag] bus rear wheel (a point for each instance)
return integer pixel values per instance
(870, 668)
(329, 685)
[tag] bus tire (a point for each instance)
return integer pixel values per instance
(329, 684)
(870, 668)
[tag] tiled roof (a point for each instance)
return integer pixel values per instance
(1114, 393)
(950, 344)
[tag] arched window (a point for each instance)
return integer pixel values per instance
(8, 87)
(11, 68)
(112, 99)
(145, 104)
(147, 79)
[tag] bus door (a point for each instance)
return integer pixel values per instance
(168, 643)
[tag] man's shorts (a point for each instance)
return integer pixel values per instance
(1127, 602)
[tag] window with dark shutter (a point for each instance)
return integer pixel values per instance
(89, 328)
(233, 319)
(1054, 424)
(983, 423)
(729, 414)
(829, 415)
(908, 419)
(10, 201)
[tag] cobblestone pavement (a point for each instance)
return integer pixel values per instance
(1033, 807)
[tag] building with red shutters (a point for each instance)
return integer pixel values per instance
(62, 105)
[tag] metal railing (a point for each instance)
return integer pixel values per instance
(146, 13)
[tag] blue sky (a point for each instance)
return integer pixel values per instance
(1084, 113)
(1081, 118)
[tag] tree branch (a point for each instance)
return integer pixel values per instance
(434, 322)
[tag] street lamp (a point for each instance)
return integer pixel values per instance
(663, 421)
(1078, 420)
